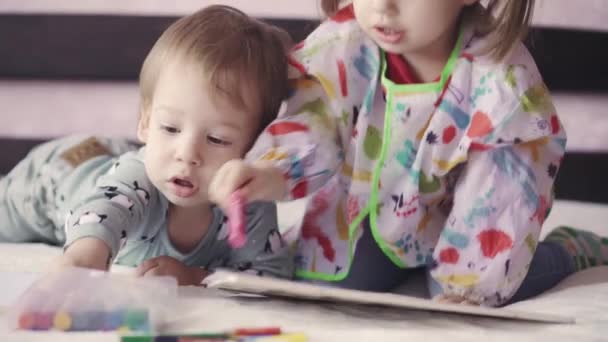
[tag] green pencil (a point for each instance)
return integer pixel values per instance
(174, 338)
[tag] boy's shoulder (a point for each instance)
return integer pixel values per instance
(261, 208)
(257, 213)
(128, 169)
(135, 158)
(260, 216)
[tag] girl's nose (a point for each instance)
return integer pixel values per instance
(384, 6)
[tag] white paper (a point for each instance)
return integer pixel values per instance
(247, 283)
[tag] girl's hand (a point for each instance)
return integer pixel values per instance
(168, 266)
(453, 299)
(260, 181)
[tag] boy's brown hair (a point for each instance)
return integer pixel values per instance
(504, 22)
(238, 55)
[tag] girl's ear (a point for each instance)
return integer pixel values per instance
(143, 126)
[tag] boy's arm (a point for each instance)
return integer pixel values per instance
(168, 266)
(265, 251)
(108, 214)
(88, 252)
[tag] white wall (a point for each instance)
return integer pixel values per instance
(35, 109)
(32, 109)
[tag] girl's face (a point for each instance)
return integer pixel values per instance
(410, 26)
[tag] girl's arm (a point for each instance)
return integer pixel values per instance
(502, 197)
(293, 157)
(306, 141)
(333, 75)
(491, 233)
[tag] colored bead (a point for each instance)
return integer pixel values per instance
(136, 320)
(112, 320)
(44, 320)
(123, 329)
(26, 320)
(96, 320)
(62, 321)
(81, 321)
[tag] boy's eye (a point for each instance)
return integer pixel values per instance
(218, 141)
(169, 129)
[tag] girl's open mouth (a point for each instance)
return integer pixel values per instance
(388, 35)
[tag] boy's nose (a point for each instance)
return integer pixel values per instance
(191, 161)
(190, 155)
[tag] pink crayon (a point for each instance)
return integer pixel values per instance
(236, 220)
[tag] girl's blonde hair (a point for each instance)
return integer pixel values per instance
(242, 58)
(504, 22)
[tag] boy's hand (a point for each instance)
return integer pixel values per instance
(168, 266)
(260, 181)
(88, 252)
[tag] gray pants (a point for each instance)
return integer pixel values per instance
(28, 208)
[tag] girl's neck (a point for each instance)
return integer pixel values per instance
(428, 62)
(188, 226)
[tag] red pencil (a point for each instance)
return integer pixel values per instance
(257, 331)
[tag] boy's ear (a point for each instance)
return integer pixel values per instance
(143, 126)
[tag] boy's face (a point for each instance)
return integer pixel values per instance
(190, 131)
(409, 26)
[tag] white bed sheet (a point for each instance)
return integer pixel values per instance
(583, 295)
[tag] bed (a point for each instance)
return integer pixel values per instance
(583, 296)
(49, 93)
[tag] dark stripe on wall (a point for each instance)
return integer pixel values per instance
(89, 46)
(571, 60)
(113, 47)
(12, 151)
(582, 176)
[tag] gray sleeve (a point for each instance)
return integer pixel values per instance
(265, 251)
(115, 207)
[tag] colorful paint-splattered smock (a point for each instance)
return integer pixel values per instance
(455, 174)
